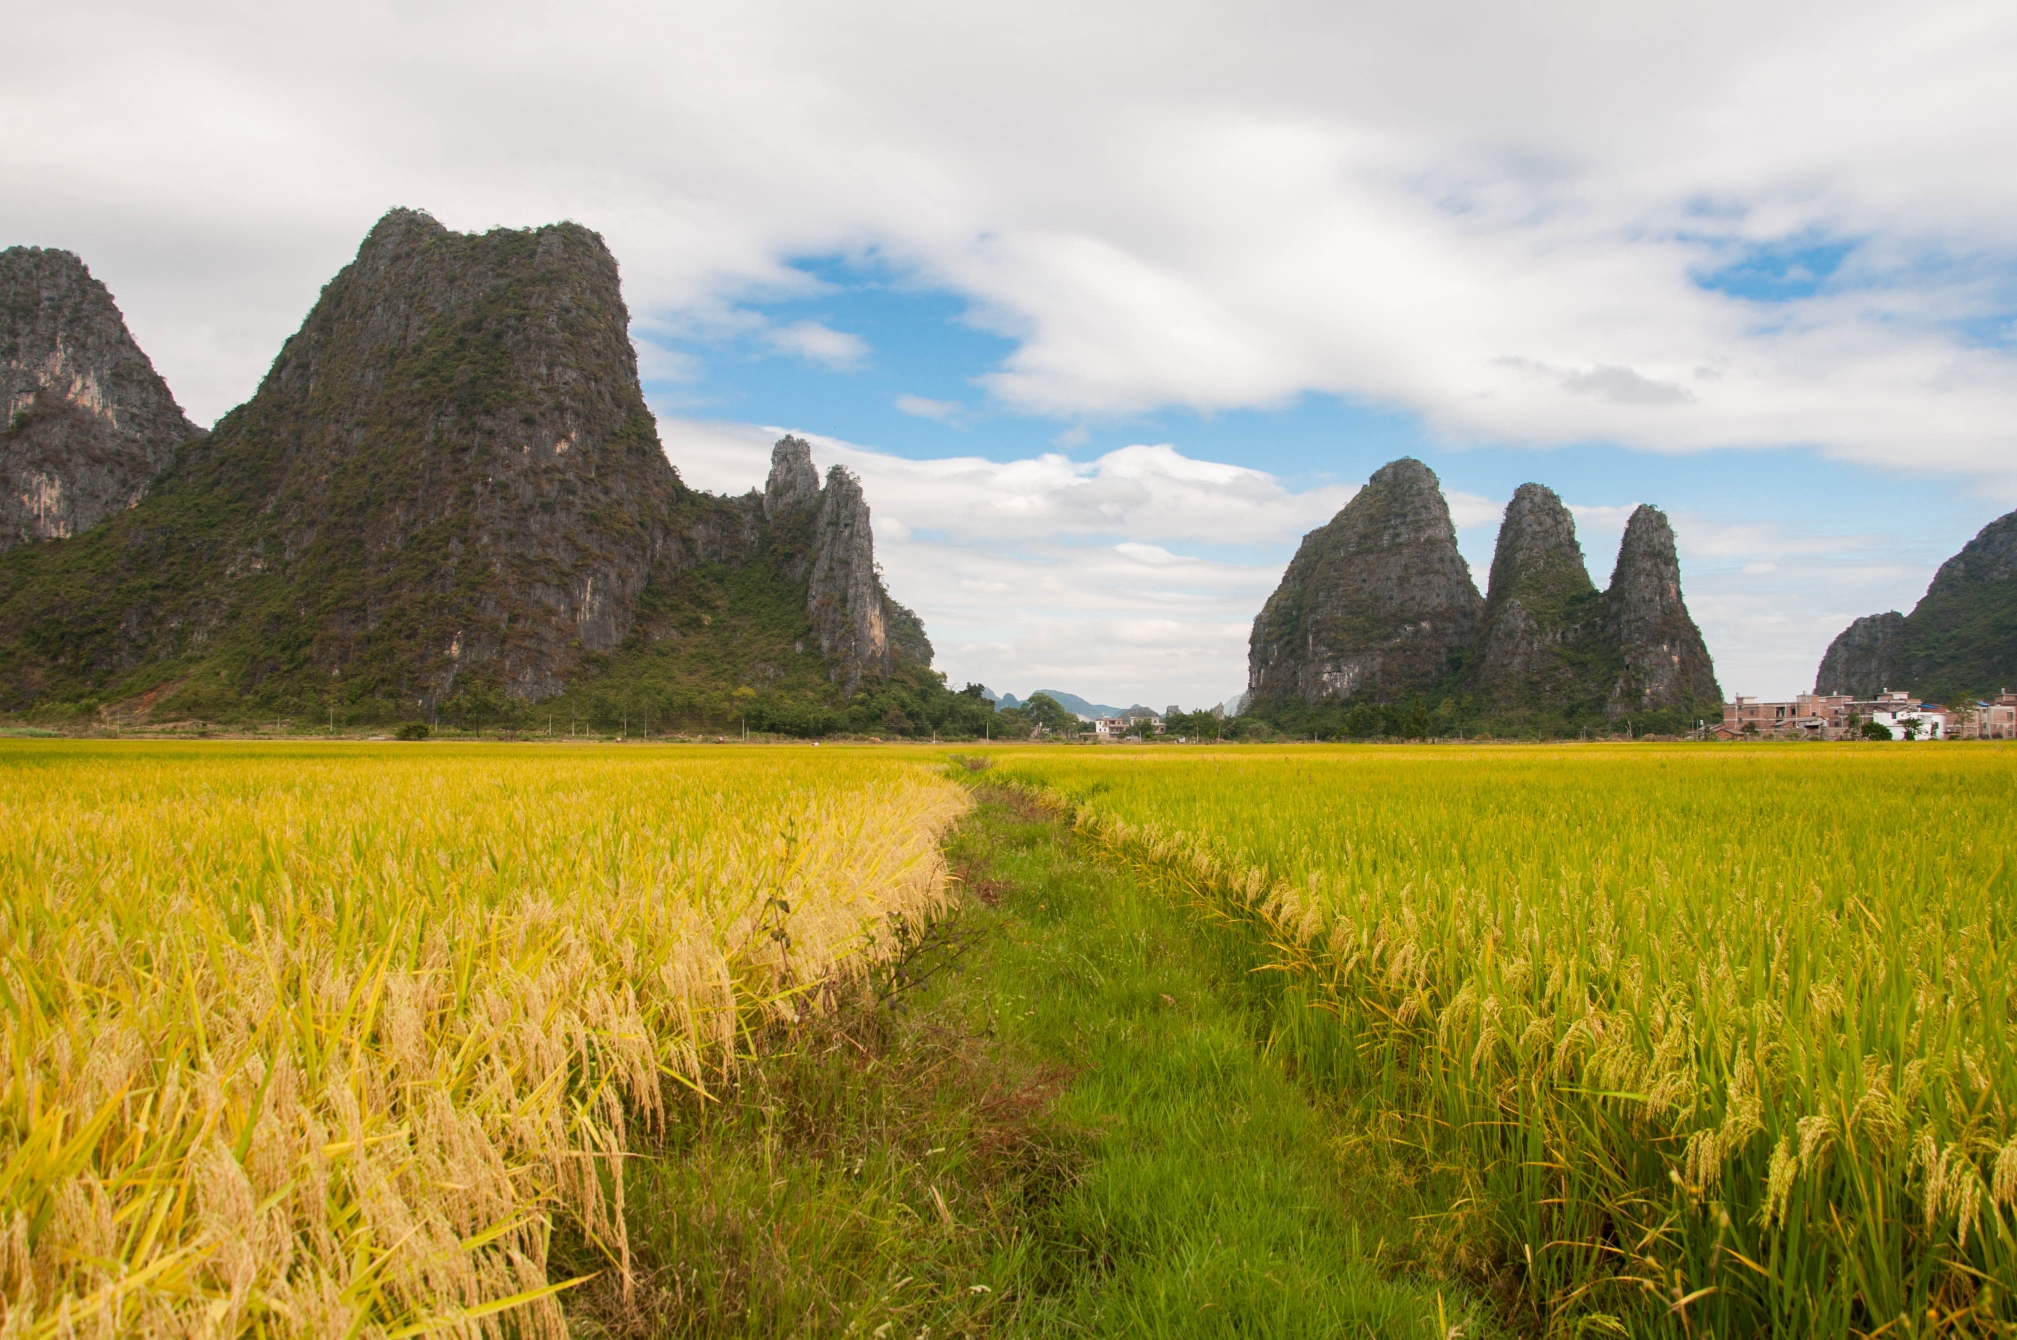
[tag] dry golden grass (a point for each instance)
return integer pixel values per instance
(323, 1041)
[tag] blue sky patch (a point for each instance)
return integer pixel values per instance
(912, 392)
(1780, 271)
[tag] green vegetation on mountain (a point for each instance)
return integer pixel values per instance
(1377, 630)
(88, 421)
(448, 502)
(1963, 643)
(1958, 643)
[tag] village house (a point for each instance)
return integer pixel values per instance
(1839, 716)
(1993, 720)
(1115, 728)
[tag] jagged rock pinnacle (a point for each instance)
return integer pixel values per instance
(448, 493)
(1378, 606)
(1537, 555)
(822, 536)
(88, 422)
(1665, 662)
(843, 591)
(1542, 625)
(793, 481)
(448, 476)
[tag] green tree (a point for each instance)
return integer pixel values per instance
(1049, 713)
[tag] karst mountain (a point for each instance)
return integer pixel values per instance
(1958, 643)
(446, 494)
(1378, 612)
(89, 423)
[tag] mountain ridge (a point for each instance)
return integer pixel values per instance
(448, 495)
(1377, 628)
(1376, 602)
(1959, 641)
(88, 424)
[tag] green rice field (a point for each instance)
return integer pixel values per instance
(1697, 1040)
(498, 1040)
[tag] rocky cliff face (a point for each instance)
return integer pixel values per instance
(1986, 560)
(1542, 643)
(1865, 658)
(793, 482)
(1959, 641)
(842, 591)
(1665, 663)
(1378, 602)
(1378, 606)
(88, 422)
(447, 484)
(449, 472)
(1550, 645)
(826, 537)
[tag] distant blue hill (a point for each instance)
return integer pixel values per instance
(1071, 702)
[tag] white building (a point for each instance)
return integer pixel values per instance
(1913, 723)
(1840, 716)
(1114, 728)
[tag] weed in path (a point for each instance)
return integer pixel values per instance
(1066, 1128)
(1216, 1199)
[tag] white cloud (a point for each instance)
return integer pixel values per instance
(1619, 386)
(922, 408)
(656, 363)
(1201, 207)
(1195, 207)
(1137, 575)
(1470, 509)
(818, 344)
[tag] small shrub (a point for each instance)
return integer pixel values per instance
(413, 730)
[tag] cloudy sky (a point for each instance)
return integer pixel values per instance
(1109, 304)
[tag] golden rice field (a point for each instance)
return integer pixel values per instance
(309, 1040)
(1700, 1040)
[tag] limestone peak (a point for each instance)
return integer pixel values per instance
(1957, 641)
(1665, 661)
(88, 422)
(1377, 601)
(793, 482)
(1537, 554)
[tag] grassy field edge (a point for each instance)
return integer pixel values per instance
(1054, 1117)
